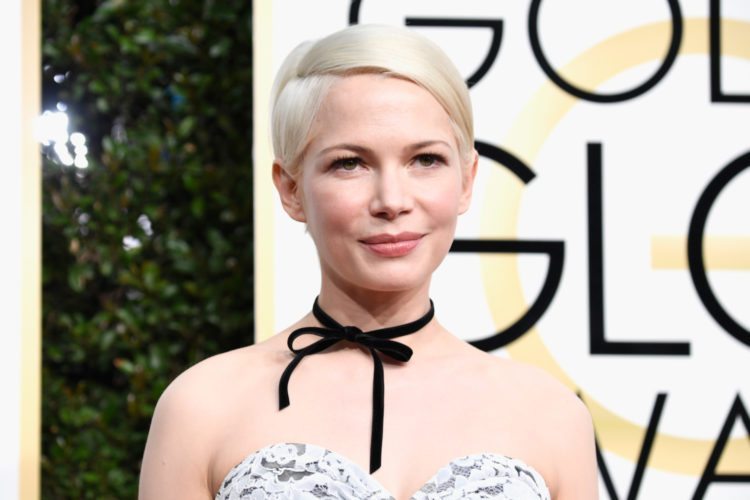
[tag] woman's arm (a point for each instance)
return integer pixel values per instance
(577, 473)
(175, 461)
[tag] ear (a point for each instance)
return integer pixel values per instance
(468, 175)
(289, 192)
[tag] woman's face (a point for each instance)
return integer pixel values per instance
(381, 184)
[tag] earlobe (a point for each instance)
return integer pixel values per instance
(469, 173)
(289, 192)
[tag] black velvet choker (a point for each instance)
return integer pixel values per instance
(375, 340)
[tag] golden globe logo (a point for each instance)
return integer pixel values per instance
(652, 369)
(599, 171)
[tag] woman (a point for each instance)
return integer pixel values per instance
(373, 139)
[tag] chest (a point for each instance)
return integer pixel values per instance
(430, 418)
(293, 470)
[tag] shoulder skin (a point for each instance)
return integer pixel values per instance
(185, 426)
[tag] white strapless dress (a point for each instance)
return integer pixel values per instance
(298, 471)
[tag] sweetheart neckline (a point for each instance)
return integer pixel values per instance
(343, 458)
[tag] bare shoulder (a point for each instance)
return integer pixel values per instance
(187, 421)
(207, 380)
(562, 423)
(199, 390)
(540, 390)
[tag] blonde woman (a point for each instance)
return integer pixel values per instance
(368, 396)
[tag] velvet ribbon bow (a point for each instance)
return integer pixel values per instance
(375, 341)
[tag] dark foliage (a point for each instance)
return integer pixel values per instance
(147, 252)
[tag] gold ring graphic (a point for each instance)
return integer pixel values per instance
(526, 137)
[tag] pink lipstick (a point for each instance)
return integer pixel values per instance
(392, 245)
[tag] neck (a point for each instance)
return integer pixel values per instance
(371, 310)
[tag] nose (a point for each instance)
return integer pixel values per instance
(392, 194)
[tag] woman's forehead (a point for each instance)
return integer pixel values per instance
(366, 89)
(358, 107)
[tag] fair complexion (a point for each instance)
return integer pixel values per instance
(380, 187)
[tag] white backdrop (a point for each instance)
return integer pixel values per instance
(20, 253)
(10, 203)
(618, 183)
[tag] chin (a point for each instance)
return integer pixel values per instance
(395, 280)
(392, 286)
(382, 275)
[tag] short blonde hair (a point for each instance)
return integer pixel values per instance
(311, 68)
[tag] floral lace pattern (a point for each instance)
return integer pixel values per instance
(304, 471)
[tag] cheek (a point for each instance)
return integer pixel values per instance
(332, 212)
(442, 201)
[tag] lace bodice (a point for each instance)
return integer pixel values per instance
(306, 471)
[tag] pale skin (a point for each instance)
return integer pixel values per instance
(382, 159)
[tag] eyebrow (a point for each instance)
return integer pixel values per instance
(424, 144)
(365, 150)
(348, 147)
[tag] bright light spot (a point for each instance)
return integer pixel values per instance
(59, 78)
(145, 224)
(61, 106)
(130, 243)
(77, 139)
(62, 152)
(81, 162)
(51, 127)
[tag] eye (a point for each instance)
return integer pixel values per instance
(348, 163)
(429, 159)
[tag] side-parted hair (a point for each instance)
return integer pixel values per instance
(311, 68)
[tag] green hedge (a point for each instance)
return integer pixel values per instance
(147, 253)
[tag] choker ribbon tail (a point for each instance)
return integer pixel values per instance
(374, 341)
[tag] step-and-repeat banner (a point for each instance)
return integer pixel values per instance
(609, 237)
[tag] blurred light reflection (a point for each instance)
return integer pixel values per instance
(145, 224)
(63, 154)
(51, 130)
(81, 162)
(51, 127)
(77, 139)
(130, 243)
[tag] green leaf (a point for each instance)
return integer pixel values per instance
(198, 206)
(220, 49)
(118, 326)
(186, 126)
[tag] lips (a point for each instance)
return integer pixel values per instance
(392, 245)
